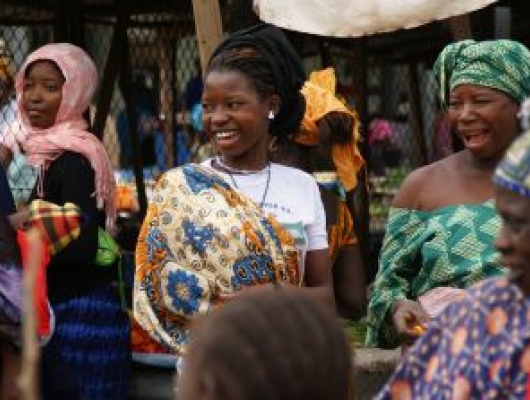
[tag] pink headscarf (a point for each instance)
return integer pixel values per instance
(69, 133)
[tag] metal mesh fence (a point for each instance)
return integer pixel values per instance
(163, 83)
(156, 77)
(405, 130)
(402, 125)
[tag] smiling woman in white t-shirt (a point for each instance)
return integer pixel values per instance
(236, 220)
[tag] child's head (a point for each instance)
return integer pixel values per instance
(55, 85)
(269, 345)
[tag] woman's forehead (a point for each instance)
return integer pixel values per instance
(44, 66)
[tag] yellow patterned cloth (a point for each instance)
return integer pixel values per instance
(319, 93)
(339, 223)
(201, 242)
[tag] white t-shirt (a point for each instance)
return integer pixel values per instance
(292, 196)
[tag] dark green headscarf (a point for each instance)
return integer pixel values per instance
(499, 64)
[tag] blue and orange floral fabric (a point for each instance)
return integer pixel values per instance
(201, 242)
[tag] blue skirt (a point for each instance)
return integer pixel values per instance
(89, 354)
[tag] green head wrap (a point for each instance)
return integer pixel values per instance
(499, 64)
(513, 172)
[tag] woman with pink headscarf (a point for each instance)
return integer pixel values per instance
(88, 355)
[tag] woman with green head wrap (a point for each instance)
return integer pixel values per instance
(443, 223)
(480, 347)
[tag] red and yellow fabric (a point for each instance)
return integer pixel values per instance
(58, 225)
(319, 93)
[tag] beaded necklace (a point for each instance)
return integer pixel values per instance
(231, 171)
(230, 174)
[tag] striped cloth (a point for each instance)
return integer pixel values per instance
(58, 225)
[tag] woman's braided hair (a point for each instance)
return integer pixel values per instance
(264, 55)
(273, 346)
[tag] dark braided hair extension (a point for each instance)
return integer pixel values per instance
(273, 345)
(264, 55)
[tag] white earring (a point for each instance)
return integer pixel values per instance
(271, 115)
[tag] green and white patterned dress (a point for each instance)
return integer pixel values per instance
(450, 246)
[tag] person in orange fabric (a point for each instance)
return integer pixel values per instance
(326, 146)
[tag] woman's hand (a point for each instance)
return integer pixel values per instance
(409, 319)
(19, 220)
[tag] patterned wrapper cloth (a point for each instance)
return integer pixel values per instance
(201, 242)
(57, 227)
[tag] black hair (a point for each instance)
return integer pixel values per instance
(336, 127)
(30, 66)
(265, 56)
(273, 345)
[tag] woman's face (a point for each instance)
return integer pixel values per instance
(236, 117)
(485, 119)
(42, 93)
(513, 241)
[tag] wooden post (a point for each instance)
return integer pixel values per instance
(503, 22)
(208, 26)
(460, 27)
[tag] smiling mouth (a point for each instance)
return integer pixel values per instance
(474, 138)
(35, 113)
(223, 135)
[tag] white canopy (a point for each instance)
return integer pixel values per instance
(353, 18)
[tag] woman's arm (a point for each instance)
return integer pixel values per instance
(349, 281)
(398, 264)
(318, 277)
